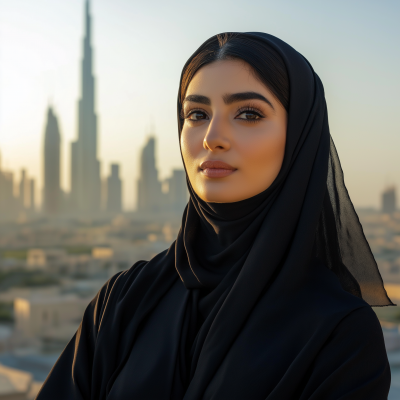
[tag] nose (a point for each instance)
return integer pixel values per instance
(217, 137)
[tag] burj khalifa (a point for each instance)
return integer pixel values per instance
(85, 167)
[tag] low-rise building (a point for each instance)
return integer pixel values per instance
(36, 316)
(102, 253)
(45, 259)
(59, 261)
(17, 385)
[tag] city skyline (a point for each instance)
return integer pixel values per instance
(86, 196)
(156, 196)
(140, 51)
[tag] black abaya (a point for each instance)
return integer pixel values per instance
(320, 343)
(266, 298)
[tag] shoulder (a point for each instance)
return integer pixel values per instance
(114, 285)
(352, 363)
(132, 285)
(121, 278)
(328, 299)
(358, 339)
(361, 327)
(331, 309)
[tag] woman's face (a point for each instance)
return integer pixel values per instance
(234, 133)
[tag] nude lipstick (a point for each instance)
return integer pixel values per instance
(216, 169)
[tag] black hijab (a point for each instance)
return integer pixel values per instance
(272, 295)
(311, 180)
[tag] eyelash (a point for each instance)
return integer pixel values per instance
(251, 109)
(239, 111)
(192, 111)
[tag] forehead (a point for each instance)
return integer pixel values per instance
(225, 76)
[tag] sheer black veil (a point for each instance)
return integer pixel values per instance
(340, 241)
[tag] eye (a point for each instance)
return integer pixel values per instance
(196, 115)
(249, 115)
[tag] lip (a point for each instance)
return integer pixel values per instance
(216, 169)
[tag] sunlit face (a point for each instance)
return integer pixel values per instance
(234, 133)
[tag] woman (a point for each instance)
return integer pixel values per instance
(266, 292)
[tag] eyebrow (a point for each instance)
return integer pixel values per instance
(229, 98)
(235, 97)
(198, 98)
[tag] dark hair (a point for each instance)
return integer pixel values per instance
(266, 63)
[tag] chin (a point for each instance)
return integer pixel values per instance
(219, 196)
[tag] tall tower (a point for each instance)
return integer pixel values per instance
(150, 196)
(8, 205)
(2, 191)
(85, 167)
(389, 205)
(22, 193)
(178, 194)
(114, 190)
(32, 194)
(51, 165)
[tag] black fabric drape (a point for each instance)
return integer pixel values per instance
(272, 297)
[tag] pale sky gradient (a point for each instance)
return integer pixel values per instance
(139, 50)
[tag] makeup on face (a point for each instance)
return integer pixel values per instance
(234, 133)
(216, 169)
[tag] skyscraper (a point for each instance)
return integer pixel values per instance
(51, 165)
(178, 194)
(389, 200)
(32, 194)
(85, 167)
(150, 196)
(23, 189)
(114, 190)
(8, 205)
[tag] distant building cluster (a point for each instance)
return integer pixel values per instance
(48, 287)
(89, 195)
(12, 201)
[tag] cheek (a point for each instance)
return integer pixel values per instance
(264, 152)
(191, 146)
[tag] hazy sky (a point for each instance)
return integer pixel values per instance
(139, 50)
